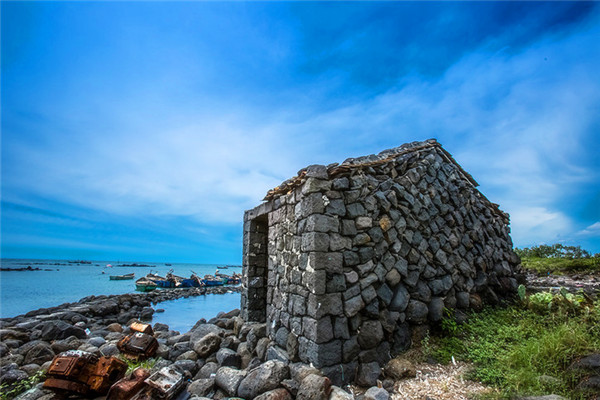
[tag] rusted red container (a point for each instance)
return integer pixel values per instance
(138, 346)
(83, 373)
(141, 327)
(126, 388)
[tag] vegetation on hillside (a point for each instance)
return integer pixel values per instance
(526, 348)
(558, 258)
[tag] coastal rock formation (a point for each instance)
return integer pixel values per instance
(348, 264)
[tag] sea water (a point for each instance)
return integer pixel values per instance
(61, 282)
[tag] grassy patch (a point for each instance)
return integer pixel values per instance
(524, 351)
(11, 391)
(561, 265)
(145, 364)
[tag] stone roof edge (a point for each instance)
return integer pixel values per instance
(368, 161)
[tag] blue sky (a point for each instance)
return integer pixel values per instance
(143, 130)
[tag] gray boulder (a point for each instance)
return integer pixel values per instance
(207, 345)
(263, 378)
(277, 394)
(228, 358)
(228, 379)
(314, 387)
(39, 354)
(367, 374)
(201, 387)
(376, 393)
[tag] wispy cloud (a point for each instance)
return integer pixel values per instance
(204, 134)
(591, 231)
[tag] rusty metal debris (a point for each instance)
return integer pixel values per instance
(164, 384)
(141, 327)
(126, 388)
(83, 373)
(139, 344)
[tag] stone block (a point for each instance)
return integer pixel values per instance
(385, 294)
(313, 185)
(340, 328)
(341, 183)
(318, 331)
(364, 222)
(417, 311)
(327, 304)
(353, 306)
(361, 239)
(370, 334)
(315, 241)
(349, 227)
(321, 223)
(352, 277)
(436, 309)
(351, 258)
(312, 204)
(315, 281)
(336, 207)
(355, 210)
(338, 242)
(366, 254)
(330, 262)
(336, 283)
(317, 171)
(368, 374)
(400, 299)
(369, 294)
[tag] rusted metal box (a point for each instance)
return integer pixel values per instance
(83, 373)
(164, 384)
(126, 388)
(142, 328)
(138, 346)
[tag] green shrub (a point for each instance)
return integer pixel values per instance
(526, 348)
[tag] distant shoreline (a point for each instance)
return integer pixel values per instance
(155, 297)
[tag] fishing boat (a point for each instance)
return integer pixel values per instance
(121, 277)
(233, 281)
(192, 281)
(210, 280)
(145, 285)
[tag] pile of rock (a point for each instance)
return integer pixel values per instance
(224, 357)
(29, 342)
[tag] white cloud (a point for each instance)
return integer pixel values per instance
(538, 225)
(591, 231)
(515, 121)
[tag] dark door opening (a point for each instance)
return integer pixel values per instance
(257, 270)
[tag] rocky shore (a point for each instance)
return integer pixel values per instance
(220, 358)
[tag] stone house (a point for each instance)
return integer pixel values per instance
(348, 263)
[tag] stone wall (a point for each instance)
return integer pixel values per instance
(365, 255)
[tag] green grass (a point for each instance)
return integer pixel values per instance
(512, 347)
(561, 265)
(132, 365)
(8, 392)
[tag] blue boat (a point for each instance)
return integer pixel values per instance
(212, 282)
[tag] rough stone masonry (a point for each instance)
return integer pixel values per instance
(349, 263)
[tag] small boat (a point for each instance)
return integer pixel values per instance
(210, 280)
(233, 281)
(121, 277)
(145, 285)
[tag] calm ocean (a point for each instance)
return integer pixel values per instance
(23, 291)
